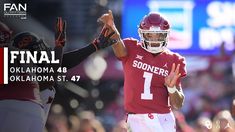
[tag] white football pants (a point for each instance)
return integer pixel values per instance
(152, 122)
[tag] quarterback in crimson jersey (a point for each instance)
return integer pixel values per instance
(145, 77)
(152, 75)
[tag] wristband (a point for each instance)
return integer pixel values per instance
(94, 44)
(171, 90)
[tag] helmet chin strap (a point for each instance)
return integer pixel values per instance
(155, 50)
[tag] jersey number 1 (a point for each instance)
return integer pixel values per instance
(147, 95)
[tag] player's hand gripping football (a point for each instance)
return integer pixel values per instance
(107, 19)
(171, 79)
(104, 39)
(60, 32)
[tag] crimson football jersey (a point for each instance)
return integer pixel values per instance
(27, 91)
(144, 73)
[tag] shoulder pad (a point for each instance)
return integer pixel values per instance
(178, 56)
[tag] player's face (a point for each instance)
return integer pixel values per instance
(155, 38)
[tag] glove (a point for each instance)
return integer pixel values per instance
(104, 39)
(60, 32)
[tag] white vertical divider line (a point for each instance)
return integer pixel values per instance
(5, 81)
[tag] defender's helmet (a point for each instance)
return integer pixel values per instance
(30, 41)
(5, 34)
(154, 32)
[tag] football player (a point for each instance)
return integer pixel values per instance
(31, 42)
(20, 106)
(152, 75)
(20, 102)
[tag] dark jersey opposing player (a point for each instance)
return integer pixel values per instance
(20, 106)
(21, 103)
(152, 75)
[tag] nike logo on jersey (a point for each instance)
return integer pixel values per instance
(149, 68)
(139, 57)
(165, 65)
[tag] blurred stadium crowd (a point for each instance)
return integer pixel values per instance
(94, 104)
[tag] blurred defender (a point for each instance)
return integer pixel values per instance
(20, 101)
(152, 75)
(20, 108)
(24, 105)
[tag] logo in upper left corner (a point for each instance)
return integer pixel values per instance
(12, 10)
